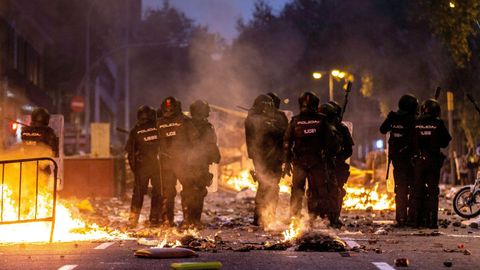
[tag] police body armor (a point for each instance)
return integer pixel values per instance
(401, 127)
(309, 142)
(40, 135)
(173, 137)
(142, 149)
(430, 135)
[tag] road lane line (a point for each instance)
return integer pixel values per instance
(463, 235)
(383, 266)
(68, 267)
(351, 243)
(104, 245)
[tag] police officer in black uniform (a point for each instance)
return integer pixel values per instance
(308, 141)
(400, 124)
(174, 129)
(204, 151)
(39, 133)
(263, 132)
(341, 169)
(142, 151)
(430, 135)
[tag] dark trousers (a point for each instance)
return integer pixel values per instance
(403, 175)
(266, 198)
(342, 172)
(140, 189)
(321, 195)
(194, 191)
(425, 191)
(168, 193)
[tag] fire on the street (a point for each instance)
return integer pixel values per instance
(68, 227)
(293, 231)
(358, 197)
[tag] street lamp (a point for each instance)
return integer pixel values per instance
(334, 73)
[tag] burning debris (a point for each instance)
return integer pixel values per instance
(27, 194)
(321, 242)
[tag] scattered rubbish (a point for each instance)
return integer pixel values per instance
(165, 253)
(246, 248)
(196, 266)
(457, 224)
(148, 242)
(317, 241)
(432, 233)
(460, 246)
(448, 263)
(347, 254)
(277, 246)
(402, 262)
(381, 231)
(467, 252)
(474, 225)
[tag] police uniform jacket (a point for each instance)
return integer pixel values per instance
(400, 125)
(43, 135)
(142, 148)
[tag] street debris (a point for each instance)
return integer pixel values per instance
(165, 253)
(196, 266)
(448, 263)
(321, 242)
(402, 262)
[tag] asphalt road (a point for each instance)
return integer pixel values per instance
(380, 252)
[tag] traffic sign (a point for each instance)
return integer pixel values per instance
(77, 104)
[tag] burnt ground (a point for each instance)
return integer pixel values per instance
(229, 238)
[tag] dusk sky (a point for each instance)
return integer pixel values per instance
(219, 15)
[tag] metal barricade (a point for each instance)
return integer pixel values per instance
(34, 219)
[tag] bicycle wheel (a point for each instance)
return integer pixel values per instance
(464, 205)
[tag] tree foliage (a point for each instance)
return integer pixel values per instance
(454, 22)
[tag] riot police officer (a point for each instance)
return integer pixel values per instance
(308, 141)
(142, 152)
(39, 133)
(173, 129)
(400, 124)
(341, 169)
(204, 151)
(430, 135)
(264, 132)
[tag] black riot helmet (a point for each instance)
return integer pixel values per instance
(308, 102)
(275, 98)
(408, 103)
(40, 117)
(146, 114)
(200, 109)
(431, 108)
(263, 104)
(338, 108)
(329, 111)
(171, 107)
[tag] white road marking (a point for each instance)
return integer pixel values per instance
(463, 235)
(383, 266)
(104, 245)
(68, 267)
(351, 243)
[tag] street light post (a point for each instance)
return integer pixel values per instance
(330, 86)
(317, 75)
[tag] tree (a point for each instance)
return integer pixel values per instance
(454, 22)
